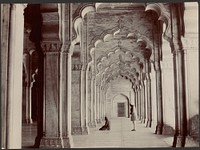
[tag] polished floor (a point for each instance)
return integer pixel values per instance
(120, 135)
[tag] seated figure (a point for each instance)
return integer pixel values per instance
(106, 126)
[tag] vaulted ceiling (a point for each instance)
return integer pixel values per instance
(115, 39)
(119, 39)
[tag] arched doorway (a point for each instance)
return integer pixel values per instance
(120, 106)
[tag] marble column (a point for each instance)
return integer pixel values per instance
(158, 74)
(179, 81)
(139, 102)
(77, 101)
(100, 103)
(136, 100)
(149, 103)
(84, 102)
(180, 100)
(14, 82)
(88, 98)
(97, 104)
(28, 102)
(57, 96)
(93, 103)
(153, 97)
(104, 105)
(129, 103)
(142, 102)
(145, 102)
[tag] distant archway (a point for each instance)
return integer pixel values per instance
(120, 106)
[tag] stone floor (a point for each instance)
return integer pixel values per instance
(120, 135)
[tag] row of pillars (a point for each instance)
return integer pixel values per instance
(54, 123)
(88, 100)
(97, 103)
(143, 100)
(143, 91)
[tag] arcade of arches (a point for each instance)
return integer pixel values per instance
(66, 66)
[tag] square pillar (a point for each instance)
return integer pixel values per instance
(56, 96)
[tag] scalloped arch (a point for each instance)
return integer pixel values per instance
(108, 37)
(164, 15)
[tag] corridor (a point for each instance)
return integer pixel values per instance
(65, 66)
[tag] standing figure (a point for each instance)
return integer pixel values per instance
(133, 116)
(106, 125)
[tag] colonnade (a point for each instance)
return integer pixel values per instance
(55, 124)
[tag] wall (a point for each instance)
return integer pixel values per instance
(168, 89)
(119, 99)
(119, 86)
(191, 47)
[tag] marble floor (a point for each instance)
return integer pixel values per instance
(120, 135)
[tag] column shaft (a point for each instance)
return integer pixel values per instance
(84, 117)
(159, 127)
(149, 104)
(57, 98)
(180, 100)
(14, 89)
(179, 80)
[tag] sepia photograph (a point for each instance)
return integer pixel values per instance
(99, 75)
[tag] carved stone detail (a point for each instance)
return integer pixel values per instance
(76, 130)
(79, 130)
(85, 130)
(51, 46)
(54, 142)
(168, 130)
(77, 67)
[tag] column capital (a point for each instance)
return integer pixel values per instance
(22, 5)
(66, 48)
(51, 46)
(176, 45)
(157, 66)
(77, 67)
(84, 67)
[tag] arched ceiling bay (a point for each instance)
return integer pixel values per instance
(119, 37)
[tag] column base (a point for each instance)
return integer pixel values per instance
(141, 120)
(29, 121)
(85, 130)
(159, 129)
(168, 130)
(144, 120)
(98, 121)
(179, 141)
(192, 142)
(89, 124)
(37, 141)
(92, 124)
(56, 142)
(80, 130)
(148, 124)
